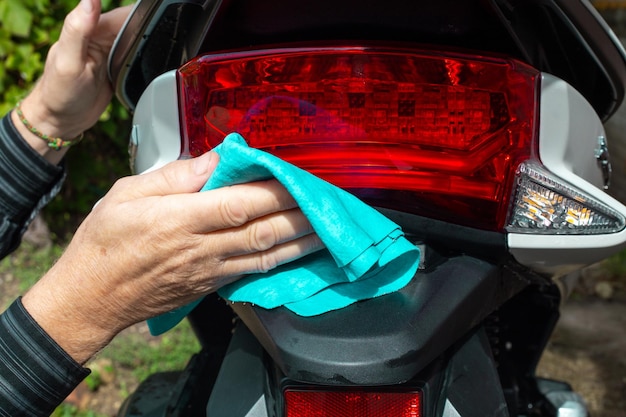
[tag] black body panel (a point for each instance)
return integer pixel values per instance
(388, 339)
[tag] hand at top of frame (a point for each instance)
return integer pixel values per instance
(75, 89)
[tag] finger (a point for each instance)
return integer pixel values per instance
(110, 24)
(199, 213)
(183, 176)
(263, 233)
(226, 207)
(261, 262)
(77, 29)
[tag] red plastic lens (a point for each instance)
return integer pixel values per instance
(436, 135)
(352, 404)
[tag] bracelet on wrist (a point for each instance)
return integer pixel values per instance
(53, 142)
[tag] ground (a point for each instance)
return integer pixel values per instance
(587, 350)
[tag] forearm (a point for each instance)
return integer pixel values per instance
(27, 183)
(36, 375)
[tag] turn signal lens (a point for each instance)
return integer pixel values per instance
(544, 205)
(352, 404)
(438, 135)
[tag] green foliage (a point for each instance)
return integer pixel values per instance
(169, 352)
(27, 30)
(67, 410)
(28, 264)
(94, 380)
(616, 266)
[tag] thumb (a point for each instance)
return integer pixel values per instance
(77, 30)
(183, 176)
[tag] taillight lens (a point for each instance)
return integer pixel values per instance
(300, 403)
(439, 135)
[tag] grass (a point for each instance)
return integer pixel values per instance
(67, 410)
(28, 264)
(128, 360)
(169, 352)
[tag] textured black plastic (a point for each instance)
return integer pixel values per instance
(385, 340)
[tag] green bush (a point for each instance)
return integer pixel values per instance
(27, 30)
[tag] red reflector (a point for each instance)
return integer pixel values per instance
(431, 134)
(352, 404)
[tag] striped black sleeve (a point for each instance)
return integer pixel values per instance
(27, 183)
(36, 375)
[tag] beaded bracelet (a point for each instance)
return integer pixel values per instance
(54, 143)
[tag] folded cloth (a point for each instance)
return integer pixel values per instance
(366, 254)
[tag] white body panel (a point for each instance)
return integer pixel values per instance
(156, 125)
(568, 137)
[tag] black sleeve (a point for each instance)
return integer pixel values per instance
(27, 183)
(36, 374)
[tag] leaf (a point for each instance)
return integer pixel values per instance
(106, 4)
(41, 5)
(16, 18)
(5, 45)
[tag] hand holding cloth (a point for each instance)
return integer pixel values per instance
(366, 254)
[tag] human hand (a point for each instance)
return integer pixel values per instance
(74, 89)
(154, 244)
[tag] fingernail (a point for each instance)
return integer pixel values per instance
(202, 164)
(87, 5)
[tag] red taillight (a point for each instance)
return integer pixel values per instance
(432, 134)
(352, 404)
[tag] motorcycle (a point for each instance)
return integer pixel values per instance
(475, 125)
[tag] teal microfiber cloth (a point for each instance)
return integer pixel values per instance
(366, 254)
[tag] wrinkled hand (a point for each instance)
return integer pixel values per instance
(74, 89)
(153, 244)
